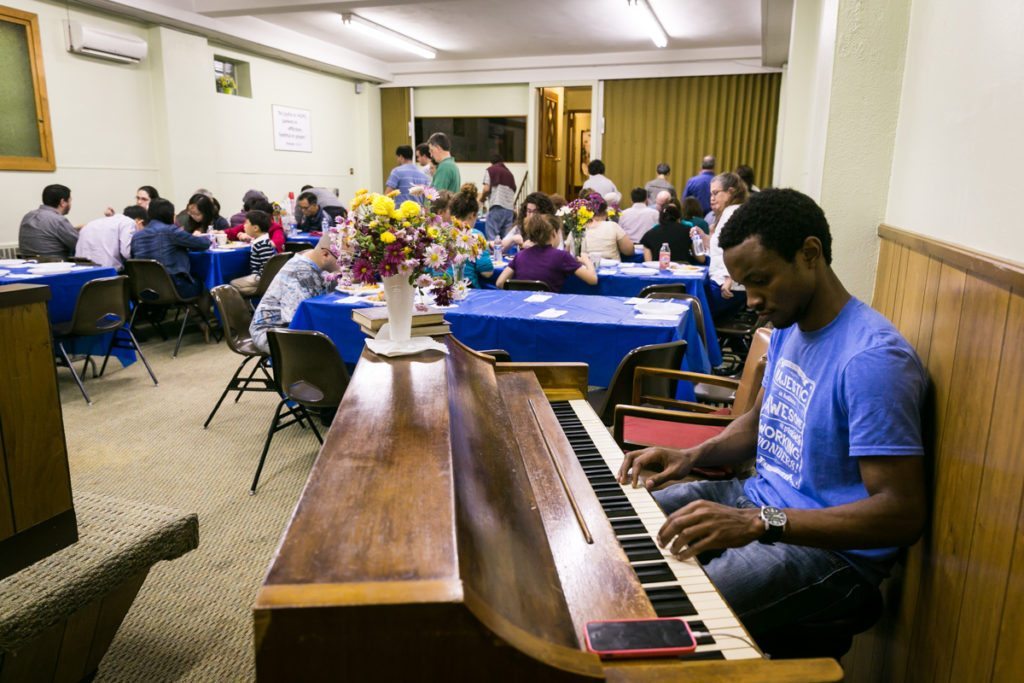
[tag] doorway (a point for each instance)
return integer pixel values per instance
(563, 139)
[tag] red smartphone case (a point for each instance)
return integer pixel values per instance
(655, 652)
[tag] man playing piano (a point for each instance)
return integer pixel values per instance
(839, 482)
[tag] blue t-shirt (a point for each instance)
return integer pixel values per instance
(402, 178)
(483, 264)
(855, 387)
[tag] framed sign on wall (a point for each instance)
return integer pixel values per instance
(26, 141)
(293, 129)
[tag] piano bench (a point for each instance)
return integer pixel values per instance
(59, 615)
(822, 638)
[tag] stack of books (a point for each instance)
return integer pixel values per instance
(428, 323)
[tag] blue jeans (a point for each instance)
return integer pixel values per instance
(772, 586)
(720, 306)
(499, 220)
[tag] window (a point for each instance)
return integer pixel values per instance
(475, 139)
(231, 77)
(26, 142)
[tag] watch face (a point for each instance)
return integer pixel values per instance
(773, 516)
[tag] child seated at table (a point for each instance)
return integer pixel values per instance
(544, 262)
(257, 224)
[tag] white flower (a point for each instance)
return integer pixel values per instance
(424, 281)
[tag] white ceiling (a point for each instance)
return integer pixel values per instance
(468, 33)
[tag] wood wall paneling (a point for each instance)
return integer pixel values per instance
(954, 609)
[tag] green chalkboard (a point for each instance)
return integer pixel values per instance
(25, 140)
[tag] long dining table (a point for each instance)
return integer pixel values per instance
(597, 330)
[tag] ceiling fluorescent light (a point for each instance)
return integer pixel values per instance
(654, 26)
(383, 33)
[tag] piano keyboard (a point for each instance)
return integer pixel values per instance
(675, 588)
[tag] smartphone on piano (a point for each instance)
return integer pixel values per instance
(667, 637)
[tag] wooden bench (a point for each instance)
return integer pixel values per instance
(59, 615)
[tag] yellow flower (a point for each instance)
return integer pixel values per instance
(585, 214)
(406, 224)
(394, 193)
(433, 233)
(410, 209)
(387, 237)
(361, 191)
(383, 206)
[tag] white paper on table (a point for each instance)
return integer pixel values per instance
(634, 300)
(537, 298)
(391, 349)
(651, 316)
(607, 271)
(21, 275)
(551, 313)
(352, 299)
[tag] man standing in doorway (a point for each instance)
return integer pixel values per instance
(447, 176)
(405, 176)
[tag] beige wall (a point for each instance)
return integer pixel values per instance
(842, 95)
(476, 100)
(958, 141)
(162, 123)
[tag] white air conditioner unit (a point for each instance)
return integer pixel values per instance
(117, 47)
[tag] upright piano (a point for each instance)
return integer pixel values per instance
(462, 522)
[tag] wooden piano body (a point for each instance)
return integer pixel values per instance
(448, 532)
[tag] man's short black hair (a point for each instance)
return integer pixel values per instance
(404, 151)
(638, 194)
(782, 220)
(423, 148)
(595, 167)
(135, 212)
(305, 187)
(259, 219)
(161, 210)
(440, 140)
(664, 169)
(497, 159)
(309, 197)
(53, 194)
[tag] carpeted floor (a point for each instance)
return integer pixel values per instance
(192, 619)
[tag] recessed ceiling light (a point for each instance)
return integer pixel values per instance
(391, 37)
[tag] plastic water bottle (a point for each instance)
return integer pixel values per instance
(698, 245)
(497, 250)
(665, 256)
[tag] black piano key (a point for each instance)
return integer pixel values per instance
(628, 527)
(702, 656)
(670, 601)
(655, 573)
(640, 549)
(699, 626)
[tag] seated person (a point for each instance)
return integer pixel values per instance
(693, 214)
(311, 216)
(535, 202)
(544, 262)
(300, 279)
(46, 231)
(168, 244)
(107, 241)
(257, 223)
(670, 230)
(202, 215)
(839, 483)
(639, 218)
(276, 232)
(248, 199)
(464, 207)
(605, 237)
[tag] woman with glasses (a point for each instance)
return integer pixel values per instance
(725, 297)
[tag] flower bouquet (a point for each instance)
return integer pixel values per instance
(226, 84)
(575, 215)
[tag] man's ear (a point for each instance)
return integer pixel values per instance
(811, 252)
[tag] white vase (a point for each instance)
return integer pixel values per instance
(399, 299)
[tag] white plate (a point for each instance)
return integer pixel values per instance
(635, 270)
(652, 264)
(660, 308)
(4, 272)
(7, 262)
(51, 268)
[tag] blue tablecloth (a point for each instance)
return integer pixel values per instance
(219, 266)
(595, 330)
(611, 282)
(303, 237)
(64, 289)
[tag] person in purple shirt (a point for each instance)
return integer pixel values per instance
(699, 186)
(544, 262)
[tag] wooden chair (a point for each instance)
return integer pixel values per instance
(308, 373)
(499, 355)
(527, 286)
(101, 308)
(668, 355)
(688, 423)
(235, 317)
(151, 285)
